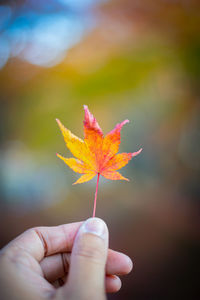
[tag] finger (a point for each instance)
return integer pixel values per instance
(112, 283)
(43, 241)
(88, 260)
(118, 263)
(57, 265)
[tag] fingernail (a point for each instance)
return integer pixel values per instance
(94, 226)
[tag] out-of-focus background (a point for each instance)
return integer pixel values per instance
(125, 59)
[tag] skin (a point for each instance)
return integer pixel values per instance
(63, 262)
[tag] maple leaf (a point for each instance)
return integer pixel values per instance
(96, 154)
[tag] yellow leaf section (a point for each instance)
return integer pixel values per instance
(113, 175)
(85, 178)
(77, 146)
(118, 162)
(112, 141)
(76, 165)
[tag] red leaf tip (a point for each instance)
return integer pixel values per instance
(90, 121)
(120, 125)
(137, 152)
(125, 122)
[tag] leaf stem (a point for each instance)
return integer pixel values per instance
(95, 198)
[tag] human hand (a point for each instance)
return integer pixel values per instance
(76, 256)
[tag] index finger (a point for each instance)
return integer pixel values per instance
(43, 241)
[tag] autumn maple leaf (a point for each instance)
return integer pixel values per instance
(96, 154)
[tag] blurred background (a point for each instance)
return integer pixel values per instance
(124, 59)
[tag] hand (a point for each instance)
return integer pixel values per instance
(70, 261)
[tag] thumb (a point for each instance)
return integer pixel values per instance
(88, 260)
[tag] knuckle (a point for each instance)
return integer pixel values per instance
(30, 231)
(33, 231)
